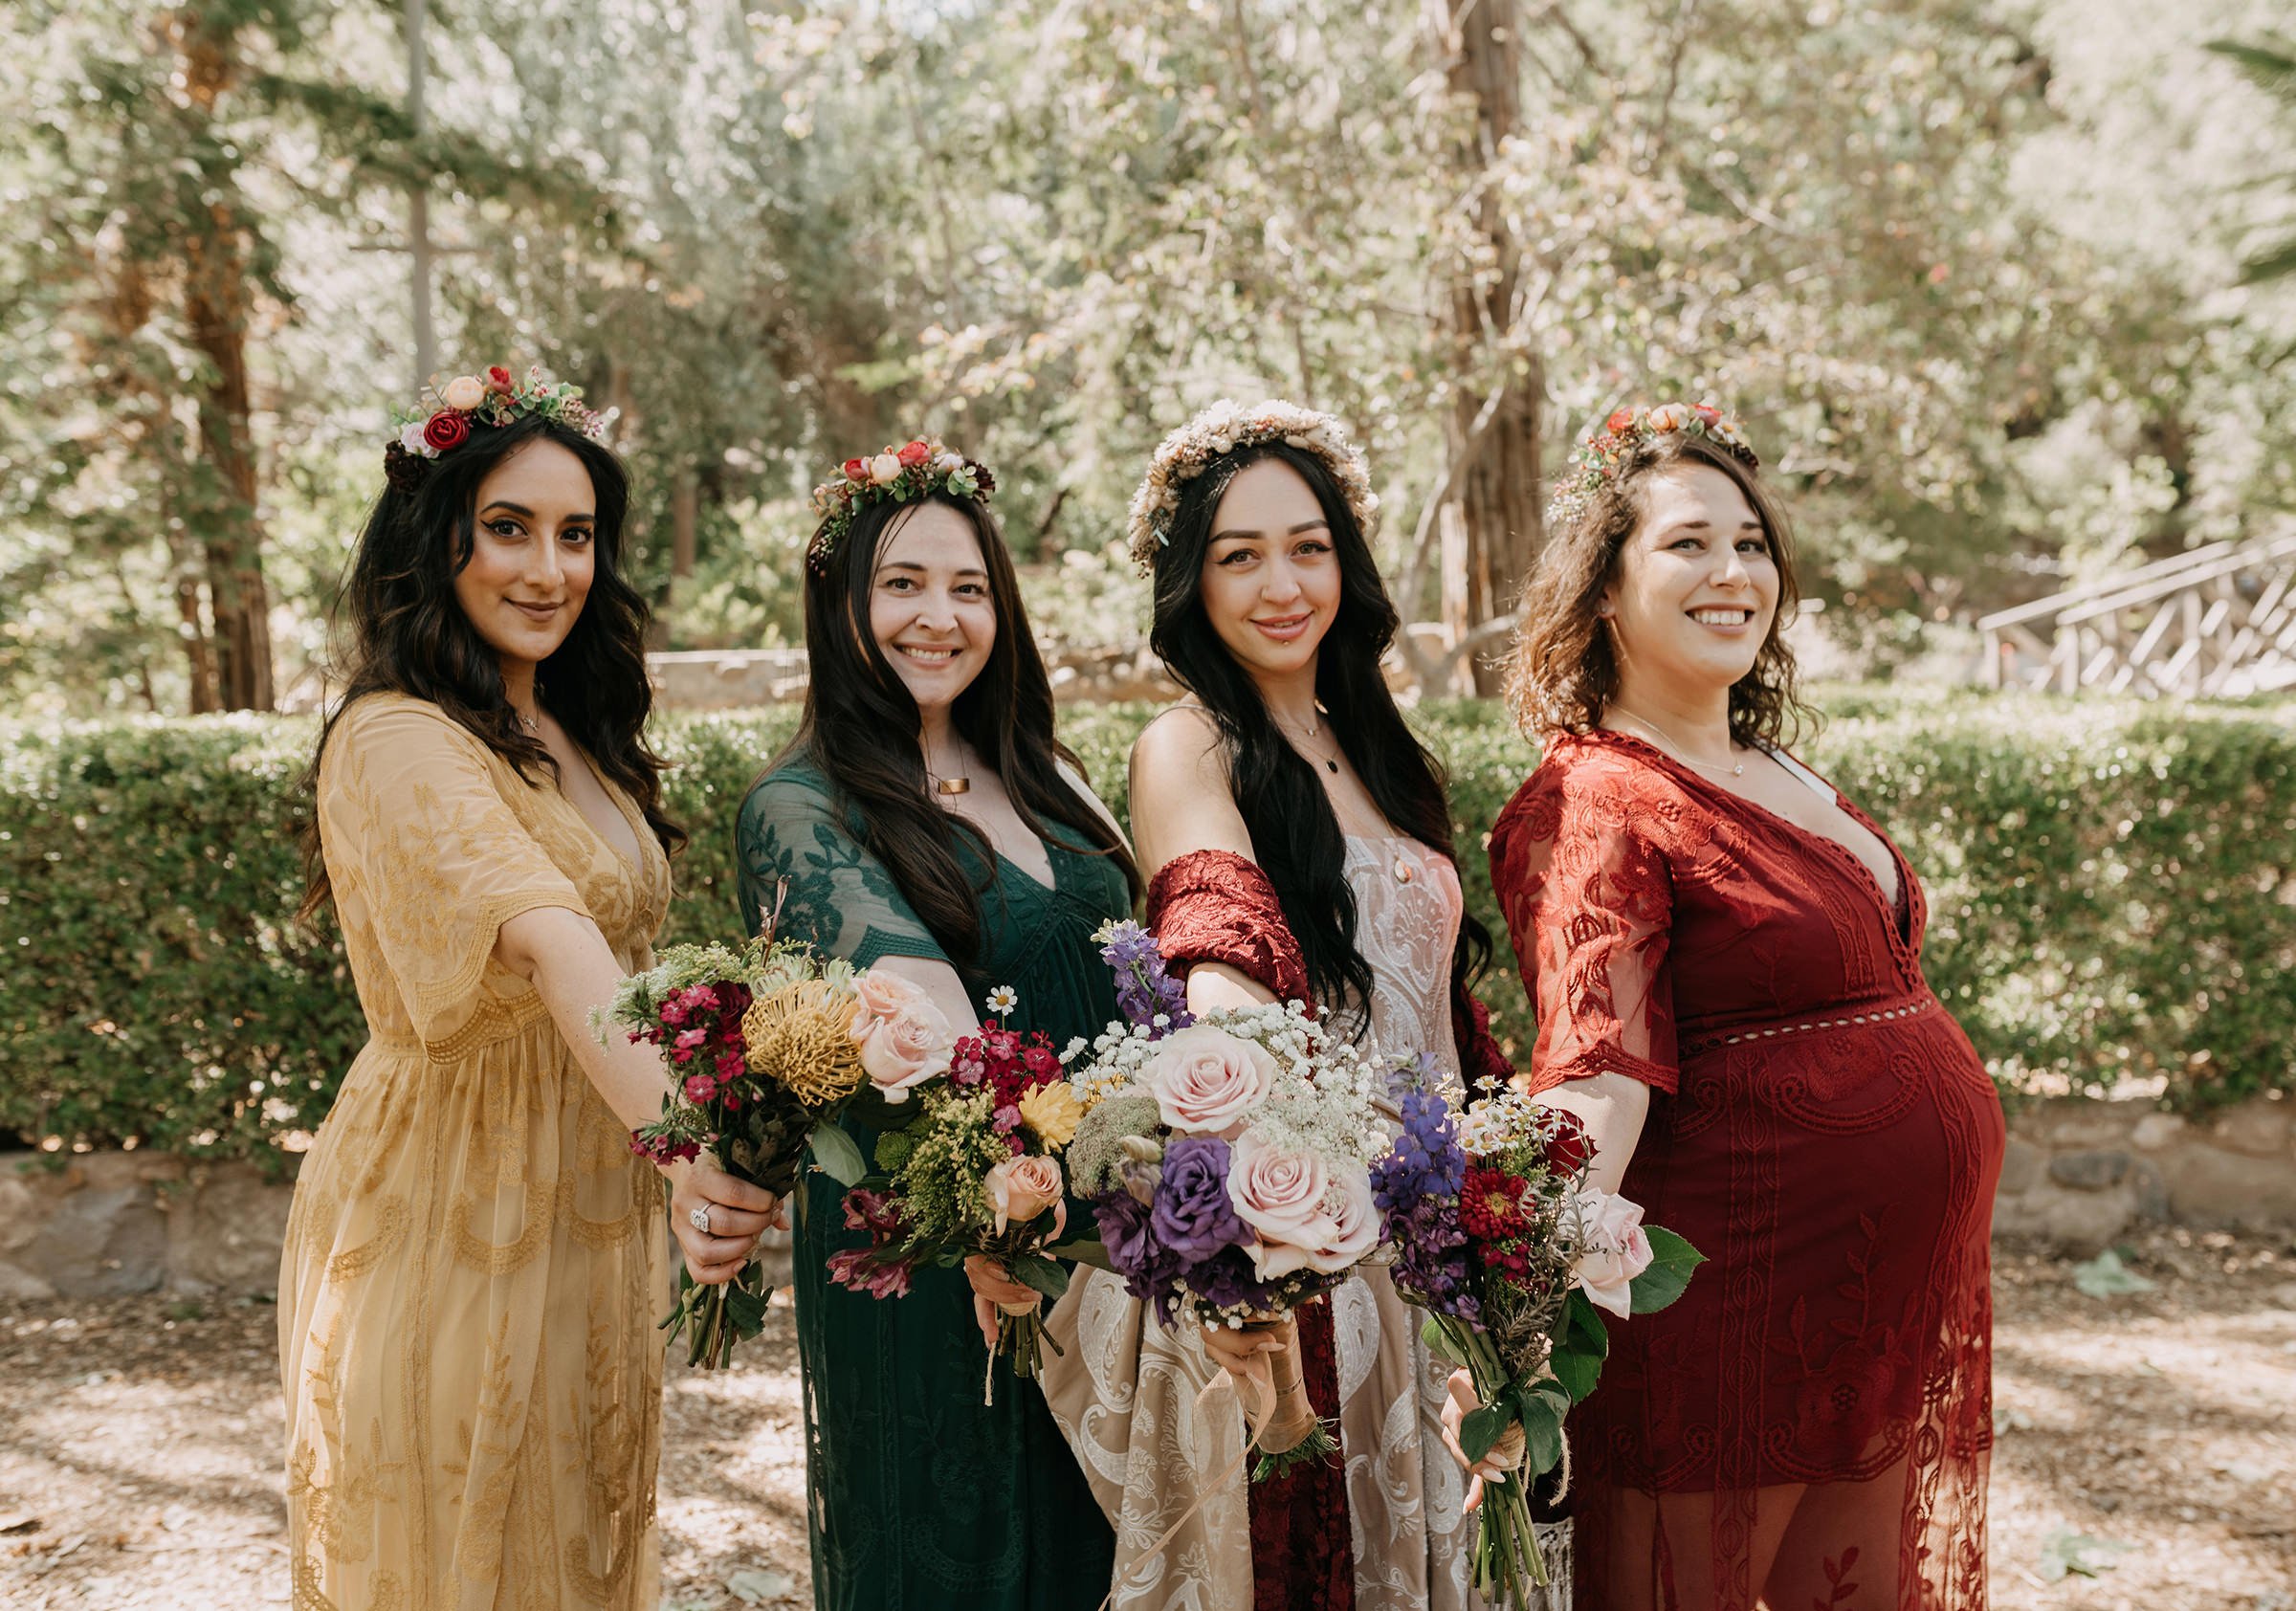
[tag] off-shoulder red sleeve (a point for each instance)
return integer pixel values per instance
(1589, 903)
(1215, 906)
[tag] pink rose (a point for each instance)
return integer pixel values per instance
(1280, 1195)
(906, 1044)
(1021, 1188)
(1206, 1082)
(1612, 1252)
(1352, 1224)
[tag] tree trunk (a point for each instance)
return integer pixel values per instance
(1497, 496)
(218, 295)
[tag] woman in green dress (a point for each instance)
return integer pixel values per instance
(925, 822)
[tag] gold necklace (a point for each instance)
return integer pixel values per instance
(1314, 730)
(1737, 770)
(951, 785)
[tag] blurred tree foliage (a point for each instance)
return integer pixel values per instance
(1974, 270)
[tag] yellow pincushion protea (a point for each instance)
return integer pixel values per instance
(1053, 1112)
(800, 1037)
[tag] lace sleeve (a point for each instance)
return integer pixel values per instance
(840, 898)
(1215, 906)
(422, 844)
(1589, 904)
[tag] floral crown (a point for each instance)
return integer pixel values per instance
(1222, 428)
(1601, 452)
(896, 475)
(493, 400)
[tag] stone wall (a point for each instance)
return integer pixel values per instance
(2078, 1175)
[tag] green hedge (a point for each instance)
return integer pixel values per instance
(2112, 890)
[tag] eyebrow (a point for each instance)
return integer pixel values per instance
(520, 509)
(912, 565)
(1707, 525)
(1318, 523)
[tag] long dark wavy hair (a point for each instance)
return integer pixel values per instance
(861, 728)
(1564, 671)
(1294, 833)
(408, 633)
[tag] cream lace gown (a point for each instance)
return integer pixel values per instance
(1126, 1393)
(473, 1262)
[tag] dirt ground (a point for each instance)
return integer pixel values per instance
(2147, 1437)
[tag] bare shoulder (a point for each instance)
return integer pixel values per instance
(1179, 737)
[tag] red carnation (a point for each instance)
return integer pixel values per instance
(1491, 1205)
(913, 454)
(498, 377)
(856, 469)
(1619, 420)
(444, 430)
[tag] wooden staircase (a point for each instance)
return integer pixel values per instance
(2218, 622)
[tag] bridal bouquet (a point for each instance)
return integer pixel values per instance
(974, 1171)
(1228, 1161)
(1498, 1236)
(768, 1045)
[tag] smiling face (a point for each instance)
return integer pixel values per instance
(533, 554)
(930, 608)
(1696, 586)
(1271, 582)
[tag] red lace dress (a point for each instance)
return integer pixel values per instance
(1808, 1427)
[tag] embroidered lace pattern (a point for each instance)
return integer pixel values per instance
(472, 1265)
(1810, 1425)
(1382, 1528)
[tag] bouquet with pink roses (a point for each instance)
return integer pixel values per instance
(974, 1171)
(1497, 1235)
(769, 1043)
(1228, 1163)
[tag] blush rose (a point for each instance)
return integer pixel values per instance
(1206, 1082)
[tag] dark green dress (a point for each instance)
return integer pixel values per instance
(918, 1497)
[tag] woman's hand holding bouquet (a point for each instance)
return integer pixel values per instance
(1497, 1235)
(1228, 1161)
(974, 1178)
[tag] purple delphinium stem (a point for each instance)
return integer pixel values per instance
(1416, 1187)
(1144, 988)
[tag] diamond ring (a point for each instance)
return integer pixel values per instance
(699, 1219)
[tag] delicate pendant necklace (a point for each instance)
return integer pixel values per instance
(1736, 770)
(532, 724)
(958, 783)
(1330, 763)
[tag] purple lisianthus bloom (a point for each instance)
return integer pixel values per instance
(1133, 1250)
(1192, 1215)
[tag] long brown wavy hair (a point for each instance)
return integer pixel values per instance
(860, 727)
(408, 633)
(1563, 673)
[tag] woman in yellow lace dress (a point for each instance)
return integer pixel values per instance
(475, 1263)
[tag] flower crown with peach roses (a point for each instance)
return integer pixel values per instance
(1222, 428)
(493, 400)
(1601, 453)
(896, 475)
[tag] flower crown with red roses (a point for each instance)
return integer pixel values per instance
(1601, 453)
(896, 475)
(493, 400)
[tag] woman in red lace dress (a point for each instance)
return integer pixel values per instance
(1725, 955)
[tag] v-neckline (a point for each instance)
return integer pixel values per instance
(636, 863)
(1897, 914)
(1050, 884)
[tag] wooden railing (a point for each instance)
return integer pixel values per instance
(2219, 621)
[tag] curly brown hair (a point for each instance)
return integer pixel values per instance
(1562, 674)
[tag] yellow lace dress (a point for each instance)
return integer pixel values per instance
(474, 1262)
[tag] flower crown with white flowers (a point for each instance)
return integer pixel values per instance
(493, 400)
(1220, 430)
(1601, 452)
(896, 475)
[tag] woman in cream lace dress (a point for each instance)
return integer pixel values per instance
(1299, 848)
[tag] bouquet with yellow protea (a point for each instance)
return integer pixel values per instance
(974, 1171)
(769, 1045)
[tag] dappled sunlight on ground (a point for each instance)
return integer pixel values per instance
(139, 1449)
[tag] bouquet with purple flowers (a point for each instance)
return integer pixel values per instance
(1499, 1238)
(1228, 1163)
